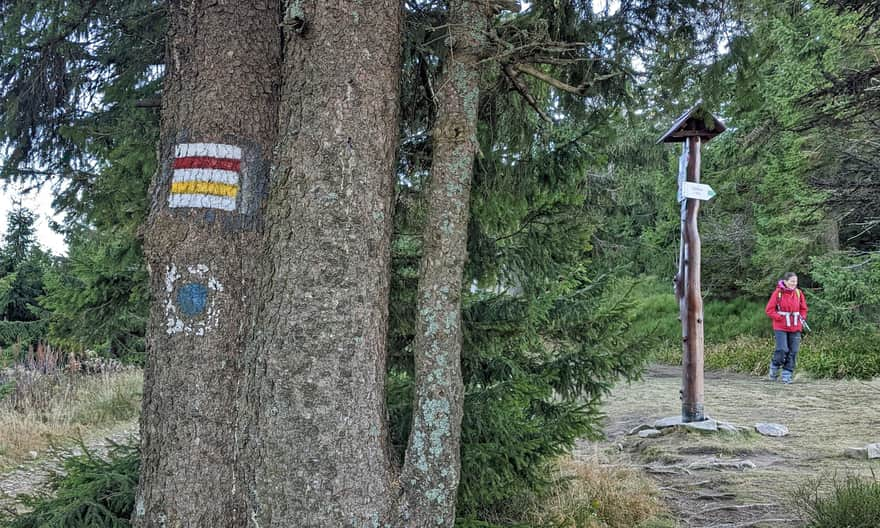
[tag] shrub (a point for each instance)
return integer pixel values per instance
(535, 364)
(852, 502)
(655, 317)
(842, 355)
(743, 354)
(850, 293)
(90, 491)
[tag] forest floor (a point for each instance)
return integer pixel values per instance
(708, 480)
(31, 475)
(741, 480)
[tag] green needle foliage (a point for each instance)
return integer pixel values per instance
(90, 491)
(81, 81)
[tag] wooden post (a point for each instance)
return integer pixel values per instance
(693, 128)
(692, 325)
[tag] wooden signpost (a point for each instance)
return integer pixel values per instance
(693, 128)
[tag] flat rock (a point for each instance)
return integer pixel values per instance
(873, 450)
(704, 425)
(669, 421)
(771, 429)
(725, 427)
(639, 428)
(856, 452)
(649, 433)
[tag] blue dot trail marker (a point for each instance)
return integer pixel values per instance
(192, 299)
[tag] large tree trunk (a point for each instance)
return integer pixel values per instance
(316, 384)
(219, 121)
(431, 470)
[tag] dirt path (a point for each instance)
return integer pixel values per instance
(742, 480)
(29, 476)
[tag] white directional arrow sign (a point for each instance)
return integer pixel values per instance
(698, 191)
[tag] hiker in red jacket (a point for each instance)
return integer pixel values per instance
(787, 308)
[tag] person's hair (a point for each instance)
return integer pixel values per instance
(789, 275)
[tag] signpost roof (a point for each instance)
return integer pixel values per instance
(695, 122)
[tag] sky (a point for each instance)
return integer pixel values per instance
(39, 203)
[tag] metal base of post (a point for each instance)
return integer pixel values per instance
(692, 412)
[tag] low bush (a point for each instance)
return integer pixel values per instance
(90, 491)
(655, 316)
(851, 502)
(828, 355)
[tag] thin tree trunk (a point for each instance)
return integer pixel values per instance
(317, 377)
(219, 121)
(431, 469)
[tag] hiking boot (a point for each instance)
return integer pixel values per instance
(787, 377)
(774, 373)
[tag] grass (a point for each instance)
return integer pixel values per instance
(591, 495)
(39, 409)
(852, 502)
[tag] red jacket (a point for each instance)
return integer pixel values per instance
(790, 302)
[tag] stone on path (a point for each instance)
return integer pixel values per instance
(669, 421)
(771, 429)
(675, 421)
(638, 429)
(649, 433)
(704, 425)
(726, 427)
(869, 451)
(856, 452)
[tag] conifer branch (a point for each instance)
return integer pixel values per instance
(524, 91)
(67, 31)
(556, 83)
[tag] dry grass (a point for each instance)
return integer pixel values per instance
(592, 495)
(45, 409)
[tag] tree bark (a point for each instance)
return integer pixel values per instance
(431, 468)
(692, 409)
(219, 122)
(317, 433)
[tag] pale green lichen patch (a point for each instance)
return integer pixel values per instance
(294, 11)
(418, 447)
(451, 320)
(436, 413)
(453, 189)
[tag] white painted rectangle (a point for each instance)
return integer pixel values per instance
(202, 200)
(207, 175)
(211, 150)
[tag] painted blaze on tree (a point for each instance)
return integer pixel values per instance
(202, 242)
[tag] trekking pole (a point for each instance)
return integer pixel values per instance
(804, 322)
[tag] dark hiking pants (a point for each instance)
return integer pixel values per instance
(785, 355)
